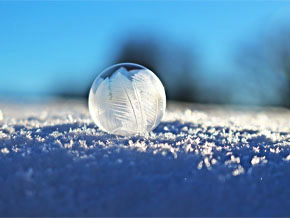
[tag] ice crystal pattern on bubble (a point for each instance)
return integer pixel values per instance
(127, 102)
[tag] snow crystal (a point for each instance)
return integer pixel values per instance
(5, 151)
(287, 158)
(240, 170)
(258, 160)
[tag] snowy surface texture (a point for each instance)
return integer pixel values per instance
(200, 160)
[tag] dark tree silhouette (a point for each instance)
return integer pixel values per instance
(174, 64)
(144, 51)
(265, 65)
(281, 51)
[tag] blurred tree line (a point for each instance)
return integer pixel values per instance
(261, 75)
(265, 65)
(174, 64)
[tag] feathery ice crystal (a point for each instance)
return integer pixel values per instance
(127, 99)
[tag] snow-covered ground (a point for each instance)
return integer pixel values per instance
(201, 160)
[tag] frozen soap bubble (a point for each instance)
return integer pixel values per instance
(127, 99)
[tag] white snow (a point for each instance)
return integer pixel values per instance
(201, 160)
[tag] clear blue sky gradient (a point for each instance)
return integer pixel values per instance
(43, 42)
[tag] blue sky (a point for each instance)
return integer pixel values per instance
(42, 43)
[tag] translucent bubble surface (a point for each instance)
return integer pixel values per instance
(127, 99)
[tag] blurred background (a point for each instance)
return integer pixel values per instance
(221, 52)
